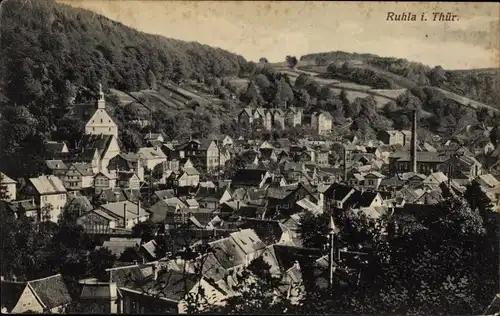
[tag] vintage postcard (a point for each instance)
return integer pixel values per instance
(249, 157)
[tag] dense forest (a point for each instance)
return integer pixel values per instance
(54, 55)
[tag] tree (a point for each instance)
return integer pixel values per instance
(291, 61)
(263, 60)
(145, 230)
(152, 80)
(284, 93)
(476, 197)
(313, 230)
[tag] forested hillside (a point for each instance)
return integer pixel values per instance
(393, 73)
(54, 55)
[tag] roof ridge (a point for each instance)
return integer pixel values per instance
(45, 278)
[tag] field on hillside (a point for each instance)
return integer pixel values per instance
(124, 98)
(353, 95)
(239, 83)
(466, 101)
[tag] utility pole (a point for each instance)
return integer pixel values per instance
(332, 231)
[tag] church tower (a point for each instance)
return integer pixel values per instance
(101, 123)
(101, 104)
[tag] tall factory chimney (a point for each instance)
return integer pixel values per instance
(413, 145)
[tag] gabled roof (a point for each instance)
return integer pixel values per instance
(83, 169)
(248, 177)
(5, 179)
(55, 165)
(117, 209)
(100, 142)
(165, 194)
(228, 253)
(11, 293)
(118, 245)
(151, 153)
(489, 179)
(54, 147)
(48, 185)
(248, 241)
(52, 291)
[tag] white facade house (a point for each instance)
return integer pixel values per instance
(10, 186)
(321, 123)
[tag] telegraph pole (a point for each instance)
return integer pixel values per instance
(332, 231)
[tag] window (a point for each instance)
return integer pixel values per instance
(101, 120)
(109, 129)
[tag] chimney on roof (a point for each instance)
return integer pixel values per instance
(345, 164)
(413, 145)
(125, 214)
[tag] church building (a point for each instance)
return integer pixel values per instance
(101, 123)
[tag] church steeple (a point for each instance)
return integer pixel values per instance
(101, 104)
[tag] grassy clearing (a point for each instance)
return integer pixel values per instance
(124, 97)
(465, 101)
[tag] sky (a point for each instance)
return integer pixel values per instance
(279, 28)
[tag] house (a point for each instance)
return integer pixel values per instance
(151, 157)
(321, 157)
(427, 162)
(293, 117)
(225, 155)
(245, 117)
(204, 154)
(277, 117)
(106, 144)
(336, 195)
(364, 199)
(53, 149)
(100, 297)
(225, 141)
(391, 137)
(155, 137)
(104, 180)
(23, 207)
(122, 214)
(117, 245)
(128, 180)
(265, 116)
(10, 187)
(246, 178)
(47, 190)
(321, 122)
(56, 167)
(152, 289)
(268, 154)
(212, 198)
(101, 123)
(127, 162)
(372, 180)
(188, 177)
(79, 176)
(462, 167)
(46, 295)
